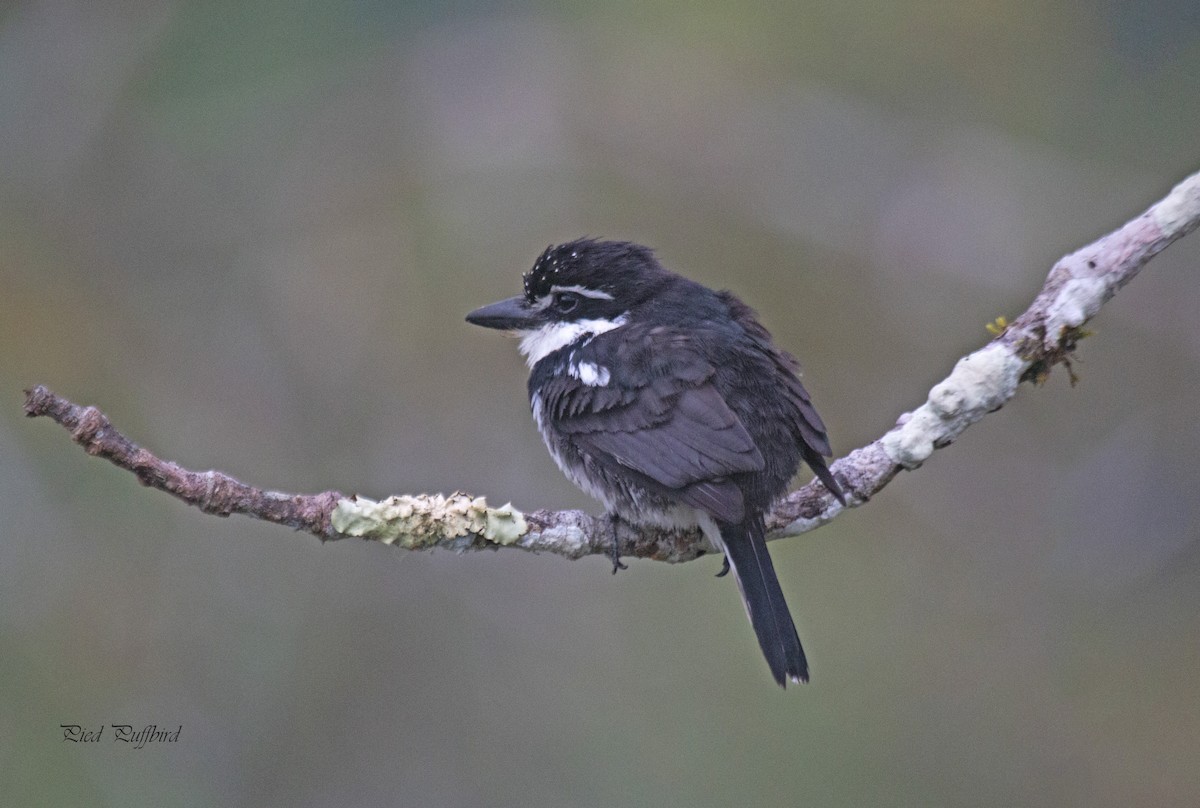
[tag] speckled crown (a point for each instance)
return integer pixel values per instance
(547, 269)
(593, 263)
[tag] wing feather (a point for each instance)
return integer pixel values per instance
(662, 417)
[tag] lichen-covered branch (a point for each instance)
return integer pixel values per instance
(1043, 336)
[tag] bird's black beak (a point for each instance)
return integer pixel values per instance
(513, 314)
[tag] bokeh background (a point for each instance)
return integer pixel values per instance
(249, 231)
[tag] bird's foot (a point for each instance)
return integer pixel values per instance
(724, 567)
(615, 550)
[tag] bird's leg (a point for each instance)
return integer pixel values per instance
(616, 544)
(724, 567)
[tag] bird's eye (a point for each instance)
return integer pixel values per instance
(565, 302)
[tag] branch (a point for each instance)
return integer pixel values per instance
(1045, 335)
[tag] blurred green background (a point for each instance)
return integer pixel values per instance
(249, 231)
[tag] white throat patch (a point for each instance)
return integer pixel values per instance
(539, 343)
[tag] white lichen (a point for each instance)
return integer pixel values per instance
(980, 382)
(416, 522)
(804, 525)
(567, 539)
(1179, 208)
(1077, 301)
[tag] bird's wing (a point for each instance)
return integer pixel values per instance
(801, 416)
(659, 415)
(804, 421)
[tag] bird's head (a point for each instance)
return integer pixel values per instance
(575, 291)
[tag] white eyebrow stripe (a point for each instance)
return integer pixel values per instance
(583, 291)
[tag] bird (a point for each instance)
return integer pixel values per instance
(669, 403)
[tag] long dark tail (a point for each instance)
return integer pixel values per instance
(746, 549)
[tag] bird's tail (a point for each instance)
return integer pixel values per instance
(746, 550)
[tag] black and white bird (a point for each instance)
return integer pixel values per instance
(669, 403)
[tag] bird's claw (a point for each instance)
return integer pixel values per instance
(724, 567)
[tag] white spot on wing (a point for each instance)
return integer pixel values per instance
(591, 374)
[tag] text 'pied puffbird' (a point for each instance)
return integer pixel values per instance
(669, 403)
